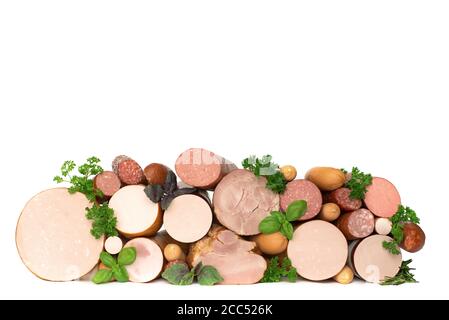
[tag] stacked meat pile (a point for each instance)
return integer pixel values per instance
(220, 229)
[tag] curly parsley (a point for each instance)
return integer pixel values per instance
(264, 167)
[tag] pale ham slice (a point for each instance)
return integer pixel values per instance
(53, 236)
(149, 261)
(136, 214)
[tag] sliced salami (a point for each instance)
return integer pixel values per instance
(357, 224)
(130, 172)
(342, 198)
(303, 190)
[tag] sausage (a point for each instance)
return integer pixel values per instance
(382, 198)
(414, 237)
(53, 236)
(201, 168)
(241, 201)
(342, 198)
(302, 190)
(113, 245)
(137, 215)
(370, 261)
(108, 183)
(357, 224)
(382, 226)
(188, 218)
(232, 256)
(149, 260)
(130, 172)
(117, 160)
(318, 250)
(155, 173)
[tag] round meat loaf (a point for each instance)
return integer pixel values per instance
(241, 201)
(302, 190)
(318, 250)
(53, 236)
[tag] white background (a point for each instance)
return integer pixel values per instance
(336, 83)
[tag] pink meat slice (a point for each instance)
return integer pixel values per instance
(382, 198)
(241, 201)
(233, 259)
(302, 190)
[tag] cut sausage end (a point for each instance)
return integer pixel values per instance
(188, 218)
(113, 245)
(149, 260)
(303, 190)
(382, 198)
(136, 214)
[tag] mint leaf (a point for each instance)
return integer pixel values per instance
(127, 256)
(296, 210)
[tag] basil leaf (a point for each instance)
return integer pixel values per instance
(209, 276)
(296, 210)
(127, 256)
(154, 192)
(287, 230)
(171, 183)
(107, 259)
(198, 268)
(280, 217)
(102, 276)
(120, 274)
(187, 279)
(175, 273)
(269, 225)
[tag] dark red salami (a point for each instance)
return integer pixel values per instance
(130, 173)
(357, 224)
(342, 198)
(303, 190)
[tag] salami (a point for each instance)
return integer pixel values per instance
(241, 201)
(342, 198)
(382, 198)
(108, 183)
(130, 173)
(201, 168)
(357, 224)
(302, 190)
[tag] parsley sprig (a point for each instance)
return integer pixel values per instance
(103, 220)
(276, 271)
(264, 167)
(403, 215)
(84, 182)
(404, 276)
(358, 183)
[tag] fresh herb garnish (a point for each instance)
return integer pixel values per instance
(103, 220)
(404, 276)
(115, 267)
(403, 215)
(358, 183)
(264, 167)
(275, 271)
(278, 221)
(83, 183)
(180, 274)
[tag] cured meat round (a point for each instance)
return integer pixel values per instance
(108, 183)
(201, 168)
(303, 190)
(241, 201)
(318, 250)
(130, 172)
(382, 198)
(342, 198)
(53, 236)
(357, 224)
